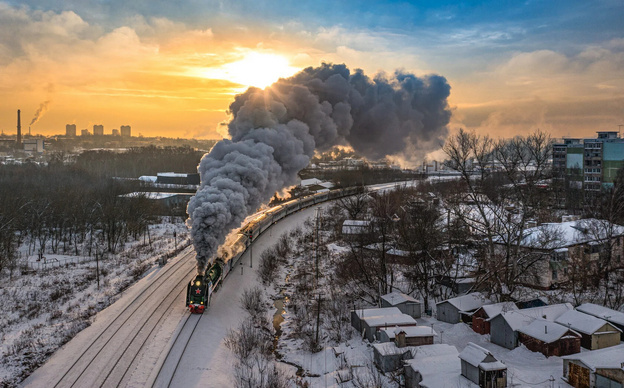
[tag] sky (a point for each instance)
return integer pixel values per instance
(171, 68)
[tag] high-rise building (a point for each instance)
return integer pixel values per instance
(98, 130)
(115, 132)
(591, 164)
(85, 132)
(125, 131)
(70, 130)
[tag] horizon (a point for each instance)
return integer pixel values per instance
(173, 71)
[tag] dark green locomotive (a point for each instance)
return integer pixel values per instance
(199, 290)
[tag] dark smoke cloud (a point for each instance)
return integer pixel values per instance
(274, 133)
(43, 107)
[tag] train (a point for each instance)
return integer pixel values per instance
(201, 287)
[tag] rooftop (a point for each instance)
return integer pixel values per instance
(608, 358)
(602, 312)
(468, 302)
(581, 322)
(545, 331)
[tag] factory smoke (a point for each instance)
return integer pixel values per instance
(274, 133)
(43, 107)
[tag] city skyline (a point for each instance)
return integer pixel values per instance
(173, 69)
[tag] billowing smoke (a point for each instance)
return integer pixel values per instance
(274, 133)
(43, 107)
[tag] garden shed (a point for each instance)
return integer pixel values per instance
(408, 336)
(357, 315)
(595, 333)
(433, 366)
(596, 368)
(407, 304)
(388, 357)
(481, 317)
(616, 318)
(455, 310)
(482, 368)
(549, 338)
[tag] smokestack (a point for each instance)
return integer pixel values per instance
(19, 130)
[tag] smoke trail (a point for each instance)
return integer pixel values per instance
(43, 107)
(274, 133)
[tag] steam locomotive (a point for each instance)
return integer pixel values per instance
(200, 289)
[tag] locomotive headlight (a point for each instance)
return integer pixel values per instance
(198, 283)
(201, 302)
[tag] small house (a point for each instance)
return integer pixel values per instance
(355, 228)
(408, 336)
(549, 338)
(433, 366)
(403, 302)
(616, 318)
(481, 367)
(596, 368)
(388, 357)
(504, 327)
(481, 317)
(595, 333)
(357, 315)
(372, 325)
(459, 309)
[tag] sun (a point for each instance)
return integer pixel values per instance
(255, 69)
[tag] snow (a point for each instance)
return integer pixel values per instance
(468, 302)
(545, 331)
(384, 311)
(172, 174)
(396, 297)
(570, 233)
(520, 318)
(496, 365)
(389, 320)
(410, 331)
(389, 348)
(474, 354)
(607, 358)
(584, 323)
(493, 310)
(354, 226)
(602, 312)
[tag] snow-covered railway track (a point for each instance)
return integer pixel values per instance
(176, 352)
(108, 358)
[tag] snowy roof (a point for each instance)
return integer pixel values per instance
(395, 298)
(607, 358)
(496, 365)
(397, 252)
(410, 331)
(581, 322)
(389, 320)
(437, 364)
(354, 226)
(566, 234)
(363, 313)
(153, 195)
(310, 182)
(474, 354)
(148, 178)
(172, 174)
(520, 318)
(545, 331)
(390, 348)
(602, 312)
(467, 302)
(492, 310)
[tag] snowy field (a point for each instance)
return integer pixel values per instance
(48, 301)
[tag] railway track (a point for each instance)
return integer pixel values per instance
(174, 356)
(112, 354)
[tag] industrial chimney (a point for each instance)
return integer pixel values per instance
(18, 143)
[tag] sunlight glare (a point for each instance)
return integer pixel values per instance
(255, 69)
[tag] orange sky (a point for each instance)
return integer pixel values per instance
(168, 76)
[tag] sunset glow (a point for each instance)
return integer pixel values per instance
(255, 69)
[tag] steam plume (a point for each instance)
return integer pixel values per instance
(274, 133)
(43, 107)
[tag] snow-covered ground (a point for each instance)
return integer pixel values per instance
(49, 301)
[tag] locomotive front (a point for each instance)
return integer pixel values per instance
(196, 296)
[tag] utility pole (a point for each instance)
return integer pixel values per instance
(317, 243)
(97, 267)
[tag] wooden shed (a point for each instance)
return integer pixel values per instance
(357, 315)
(403, 302)
(595, 333)
(369, 321)
(616, 318)
(434, 366)
(388, 357)
(459, 309)
(407, 336)
(596, 368)
(481, 317)
(549, 338)
(482, 368)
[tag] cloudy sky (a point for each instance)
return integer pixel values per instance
(172, 68)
